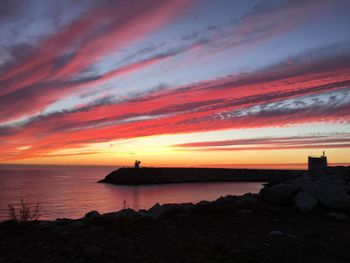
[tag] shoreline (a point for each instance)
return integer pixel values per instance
(230, 229)
(305, 219)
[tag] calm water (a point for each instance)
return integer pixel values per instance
(73, 191)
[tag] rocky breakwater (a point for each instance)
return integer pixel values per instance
(308, 193)
(154, 175)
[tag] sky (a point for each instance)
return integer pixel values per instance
(174, 83)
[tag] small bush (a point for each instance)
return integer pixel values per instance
(25, 213)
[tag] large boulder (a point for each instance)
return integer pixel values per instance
(225, 199)
(247, 199)
(330, 194)
(281, 194)
(305, 201)
(162, 211)
(92, 215)
(301, 182)
(122, 214)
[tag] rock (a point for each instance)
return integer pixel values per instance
(301, 182)
(225, 199)
(247, 199)
(314, 234)
(281, 194)
(330, 194)
(245, 211)
(92, 251)
(67, 250)
(45, 225)
(203, 202)
(77, 225)
(346, 188)
(127, 213)
(97, 228)
(338, 216)
(157, 211)
(235, 251)
(339, 181)
(63, 233)
(292, 236)
(305, 201)
(276, 233)
(63, 221)
(160, 211)
(124, 214)
(59, 229)
(92, 215)
(270, 208)
(328, 190)
(186, 207)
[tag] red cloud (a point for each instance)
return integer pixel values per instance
(189, 109)
(144, 19)
(38, 84)
(96, 33)
(192, 108)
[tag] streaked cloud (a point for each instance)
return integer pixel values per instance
(124, 70)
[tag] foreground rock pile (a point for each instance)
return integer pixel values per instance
(308, 193)
(239, 204)
(300, 220)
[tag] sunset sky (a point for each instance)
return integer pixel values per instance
(174, 83)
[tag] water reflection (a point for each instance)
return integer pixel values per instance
(73, 192)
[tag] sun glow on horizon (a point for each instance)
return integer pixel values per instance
(183, 149)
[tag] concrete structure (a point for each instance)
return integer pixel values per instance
(318, 165)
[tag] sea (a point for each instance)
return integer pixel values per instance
(72, 191)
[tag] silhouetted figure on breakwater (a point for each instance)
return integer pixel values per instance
(137, 164)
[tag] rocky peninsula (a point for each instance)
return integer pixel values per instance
(304, 219)
(160, 175)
